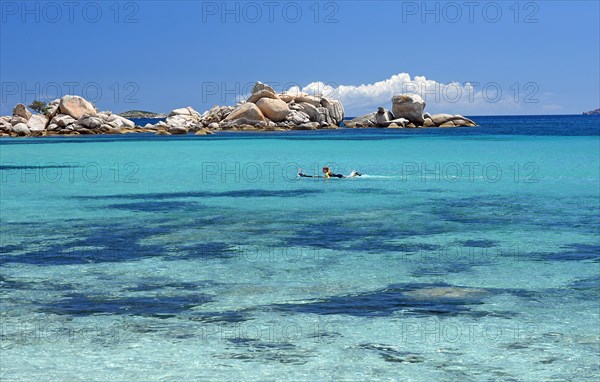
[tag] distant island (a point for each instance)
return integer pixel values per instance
(593, 112)
(139, 114)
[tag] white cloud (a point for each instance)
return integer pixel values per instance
(453, 97)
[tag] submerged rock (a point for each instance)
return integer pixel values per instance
(445, 292)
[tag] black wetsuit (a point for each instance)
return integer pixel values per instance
(332, 175)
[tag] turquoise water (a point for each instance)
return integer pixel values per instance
(467, 254)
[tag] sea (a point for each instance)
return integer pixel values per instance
(464, 254)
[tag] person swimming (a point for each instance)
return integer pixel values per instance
(327, 173)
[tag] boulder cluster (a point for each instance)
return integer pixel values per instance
(408, 111)
(263, 110)
(70, 115)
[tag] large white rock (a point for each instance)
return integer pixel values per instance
(274, 109)
(76, 107)
(179, 121)
(90, 122)
(248, 111)
(403, 122)
(315, 101)
(409, 106)
(118, 121)
(104, 115)
(21, 111)
(52, 109)
(287, 98)
(383, 117)
(439, 119)
(127, 122)
(367, 120)
(335, 109)
(258, 86)
(181, 111)
(216, 114)
(16, 119)
(298, 117)
(445, 119)
(264, 93)
(311, 110)
(37, 122)
(185, 111)
(21, 129)
(62, 120)
(5, 125)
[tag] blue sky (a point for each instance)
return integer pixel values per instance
(543, 56)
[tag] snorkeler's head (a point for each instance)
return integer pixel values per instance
(325, 169)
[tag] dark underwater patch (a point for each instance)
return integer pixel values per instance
(590, 283)
(573, 252)
(154, 285)
(154, 206)
(224, 317)
(433, 190)
(412, 299)
(254, 193)
(481, 243)
(10, 248)
(256, 350)
(390, 353)
(33, 167)
(203, 251)
(152, 306)
(485, 210)
(361, 235)
(11, 284)
(103, 243)
(440, 269)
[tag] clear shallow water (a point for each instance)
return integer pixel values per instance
(464, 254)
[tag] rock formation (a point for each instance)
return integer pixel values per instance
(70, 115)
(263, 110)
(593, 112)
(408, 111)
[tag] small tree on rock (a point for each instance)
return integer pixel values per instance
(38, 106)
